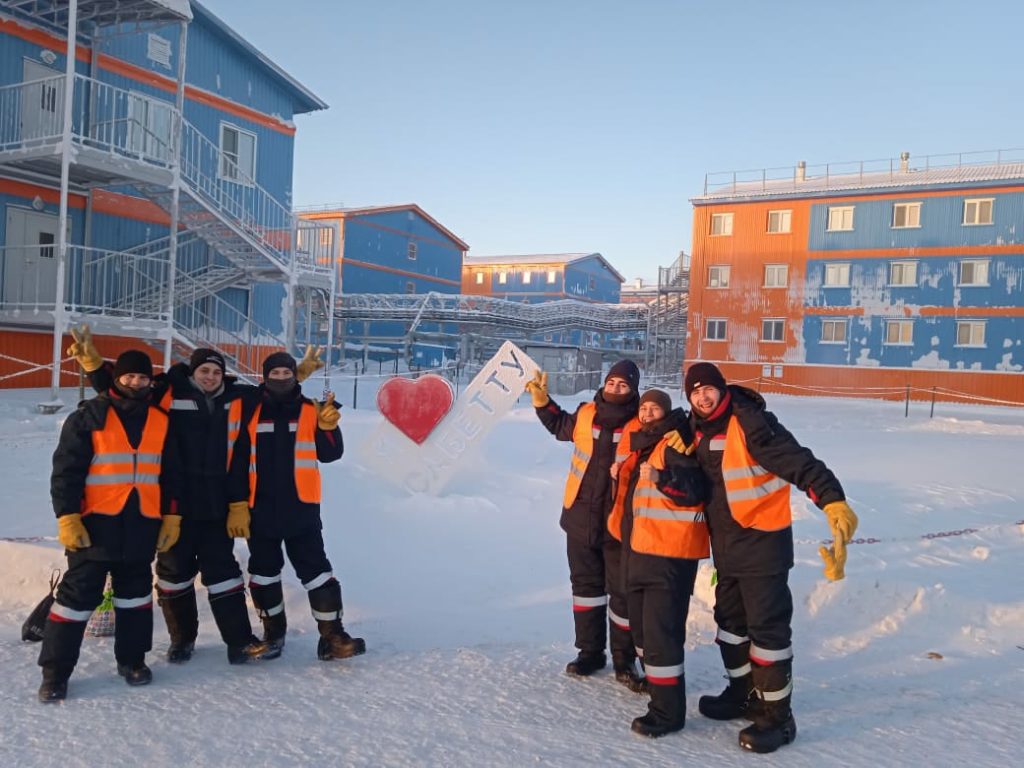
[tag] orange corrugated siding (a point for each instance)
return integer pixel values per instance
(37, 348)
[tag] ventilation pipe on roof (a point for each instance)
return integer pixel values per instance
(801, 171)
(904, 162)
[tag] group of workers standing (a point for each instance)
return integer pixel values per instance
(651, 491)
(179, 465)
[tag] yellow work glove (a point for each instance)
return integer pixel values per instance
(309, 364)
(538, 389)
(327, 414)
(71, 532)
(841, 520)
(676, 442)
(83, 350)
(834, 559)
(238, 519)
(170, 530)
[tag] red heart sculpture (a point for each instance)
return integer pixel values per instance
(415, 406)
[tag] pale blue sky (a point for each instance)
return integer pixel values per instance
(545, 126)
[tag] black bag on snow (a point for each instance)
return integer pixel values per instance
(35, 624)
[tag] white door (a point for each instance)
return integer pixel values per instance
(41, 103)
(149, 127)
(30, 259)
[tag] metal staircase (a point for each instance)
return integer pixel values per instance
(666, 330)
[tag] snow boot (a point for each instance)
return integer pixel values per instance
(181, 615)
(254, 650)
(737, 700)
(274, 629)
(774, 725)
(626, 672)
(53, 691)
(336, 643)
(666, 713)
(135, 674)
(586, 663)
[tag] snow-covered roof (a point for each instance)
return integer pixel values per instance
(539, 258)
(95, 14)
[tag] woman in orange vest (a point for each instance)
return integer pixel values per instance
(659, 518)
(595, 429)
(275, 493)
(113, 486)
(750, 460)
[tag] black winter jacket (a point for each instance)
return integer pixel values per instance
(128, 536)
(739, 551)
(278, 512)
(587, 519)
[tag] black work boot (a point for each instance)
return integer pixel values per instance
(626, 672)
(774, 726)
(586, 663)
(737, 700)
(135, 674)
(181, 614)
(52, 691)
(254, 650)
(666, 713)
(274, 629)
(336, 643)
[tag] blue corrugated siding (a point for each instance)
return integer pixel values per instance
(268, 306)
(13, 52)
(118, 234)
(941, 223)
(577, 281)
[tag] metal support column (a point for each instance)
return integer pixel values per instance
(172, 256)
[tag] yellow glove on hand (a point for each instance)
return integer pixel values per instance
(238, 519)
(170, 530)
(538, 389)
(327, 414)
(677, 444)
(71, 532)
(834, 559)
(83, 350)
(309, 364)
(841, 520)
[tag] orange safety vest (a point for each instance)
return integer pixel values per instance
(117, 468)
(757, 498)
(234, 426)
(307, 472)
(584, 435)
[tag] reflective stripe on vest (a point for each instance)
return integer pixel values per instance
(583, 438)
(660, 526)
(757, 498)
(117, 468)
(234, 426)
(622, 455)
(307, 472)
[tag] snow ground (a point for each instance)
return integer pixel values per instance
(464, 601)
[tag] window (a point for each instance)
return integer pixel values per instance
(840, 219)
(527, 277)
(721, 224)
(772, 330)
(410, 287)
(837, 275)
(978, 211)
(592, 283)
(776, 275)
(973, 272)
(899, 332)
(970, 333)
(238, 154)
(833, 331)
(502, 277)
(714, 329)
(479, 278)
(903, 273)
(906, 215)
(718, 277)
(411, 250)
(779, 221)
(552, 276)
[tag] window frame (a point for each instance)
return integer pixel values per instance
(834, 323)
(785, 274)
(502, 277)
(720, 322)
(902, 323)
(902, 263)
(916, 207)
(977, 203)
(974, 262)
(410, 287)
(479, 277)
(785, 216)
(552, 276)
(527, 276)
(776, 323)
(835, 264)
(726, 218)
(221, 167)
(412, 250)
(972, 323)
(839, 209)
(718, 269)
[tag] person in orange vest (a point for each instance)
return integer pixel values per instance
(113, 486)
(275, 501)
(659, 518)
(595, 429)
(751, 460)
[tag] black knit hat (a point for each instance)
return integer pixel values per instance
(659, 398)
(278, 360)
(627, 370)
(133, 361)
(703, 375)
(206, 355)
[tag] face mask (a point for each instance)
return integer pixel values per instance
(617, 399)
(279, 388)
(134, 394)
